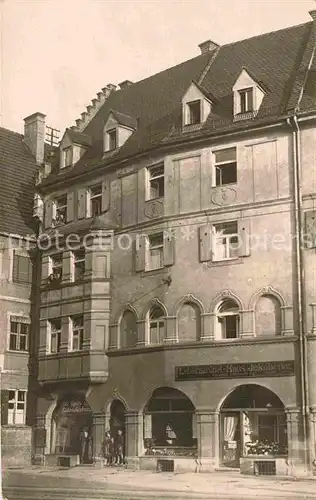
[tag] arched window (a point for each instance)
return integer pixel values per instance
(268, 316)
(169, 421)
(189, 323)
(128, 330)
(156, 325)
(227, 320)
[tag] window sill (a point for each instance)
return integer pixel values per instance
(226, 262)
(20, 353)
(152, 272)
(160, 199)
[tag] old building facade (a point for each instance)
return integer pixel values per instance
(176, 290)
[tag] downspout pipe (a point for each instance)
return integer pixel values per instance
(300, 275)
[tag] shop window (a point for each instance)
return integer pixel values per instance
(128, 330)
(169, 422)
(189, 323)
(227, 320)
(156, 325)
(19, 334)
(16, 407)
(268, 316)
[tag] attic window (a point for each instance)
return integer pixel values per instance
(246, 100)
(194, 115)
(112, 139)
(67, 156)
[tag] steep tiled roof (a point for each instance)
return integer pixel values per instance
(122, 119)
(17, 178)
(278, 61)
(79, 137)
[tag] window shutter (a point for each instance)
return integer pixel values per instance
(168, 247)
(147, 427)
(4, 407)
(22, 269)
(48, 213)
(70, 207)
(310, 229)
(105, 196)
(244, 238)
(82, 204)
(205, 244)
(140, 253)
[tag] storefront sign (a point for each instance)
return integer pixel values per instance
(235, 370)
(70, 406)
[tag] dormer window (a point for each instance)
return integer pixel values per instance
(196, 106)
(248, 95)
(112, 139)
(194, 112)
(67, 156)
(246, 100)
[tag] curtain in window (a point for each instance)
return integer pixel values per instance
(230, 426)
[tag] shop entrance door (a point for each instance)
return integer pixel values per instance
(230, 439)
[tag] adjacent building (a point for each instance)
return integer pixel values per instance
(177, 247)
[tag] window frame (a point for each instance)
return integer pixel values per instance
(15, 271)
(191, 111)
(77, 332)
(19, 320)
(150, 247)
(16, 402)
(227, 245)
(60, 218)
(244, 100)
(79, 258)
(158, 323)
(158, 178)
(67, 156)
(55, 274)
(54, 333)
(221, 318)
(112, 135)
(95, 198)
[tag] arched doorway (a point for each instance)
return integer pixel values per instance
(72, 429)
(252, 423)
(117, 421)
(169, 423)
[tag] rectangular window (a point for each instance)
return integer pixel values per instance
(154, 252)
(156, 331)
(55, 334)
(225, 167)
(61, 210)
(19, 334)
(67, 156)
(77, 333)
(225, 241)
(194, 109)
(112, 139)
(246, 100)
(22, 269)
(79, 264)
(156, 182)
(96, 200)
(57, 267)
(16, 407)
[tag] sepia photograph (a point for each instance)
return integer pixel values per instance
(157, 249)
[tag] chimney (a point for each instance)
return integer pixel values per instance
(312, 13)
(208, 46)
(125, 84)
(34, 135)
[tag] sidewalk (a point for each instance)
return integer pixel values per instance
(143, 482)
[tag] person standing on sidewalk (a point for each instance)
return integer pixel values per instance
(119, 448)
(108, 448)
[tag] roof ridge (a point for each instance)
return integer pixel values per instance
(267, 33)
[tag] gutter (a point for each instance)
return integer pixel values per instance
(301, 302)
